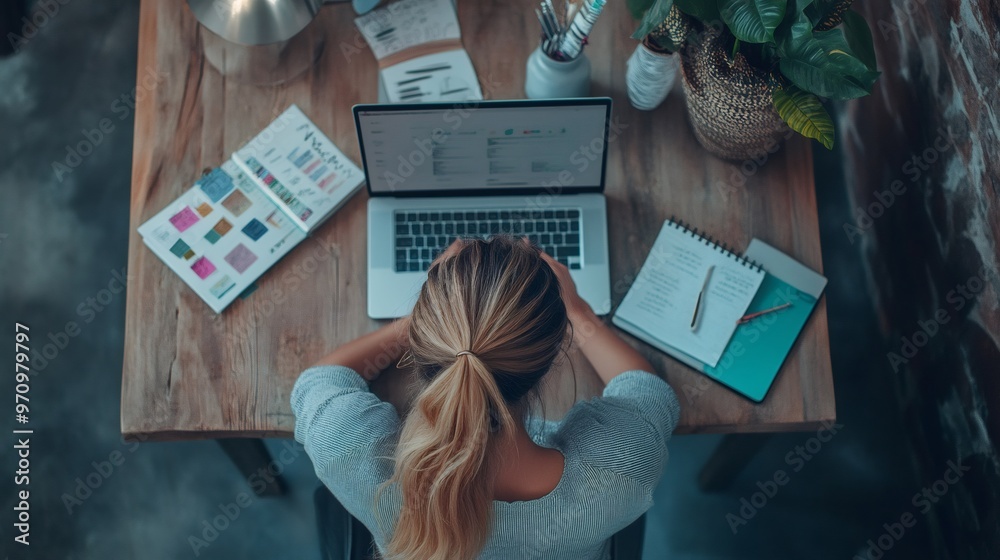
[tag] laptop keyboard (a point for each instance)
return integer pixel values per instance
(421, 236)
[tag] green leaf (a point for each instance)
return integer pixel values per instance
(753, 21)
(793, 14)
(797, 7)
(859, 38)
(804, 113)
(822, 63)
(705, 11)
(654, 17)
(819, 9)
(638, 7)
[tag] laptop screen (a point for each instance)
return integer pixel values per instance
(486, 147)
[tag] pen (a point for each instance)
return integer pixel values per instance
(701, 295)
(751, 316)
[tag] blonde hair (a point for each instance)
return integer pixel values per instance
(486, 328)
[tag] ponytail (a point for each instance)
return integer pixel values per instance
(445, 464)
(486, 327)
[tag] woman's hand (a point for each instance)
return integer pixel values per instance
(576, 307)
(606, 352)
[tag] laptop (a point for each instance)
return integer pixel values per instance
(437, 171)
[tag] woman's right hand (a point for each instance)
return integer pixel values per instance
(576, 306)
(606, 352)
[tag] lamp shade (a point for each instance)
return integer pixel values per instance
(255, 22)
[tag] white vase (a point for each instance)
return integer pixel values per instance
(649, 77)
(546, 78)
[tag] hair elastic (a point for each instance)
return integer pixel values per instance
(465, 353)
(406, 360)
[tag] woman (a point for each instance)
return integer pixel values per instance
(467, 474)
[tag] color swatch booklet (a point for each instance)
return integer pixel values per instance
(239, 219)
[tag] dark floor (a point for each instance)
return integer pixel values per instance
(62, 237)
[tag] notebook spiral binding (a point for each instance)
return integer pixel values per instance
(721, 247)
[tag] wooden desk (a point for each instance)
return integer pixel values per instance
(190, 373)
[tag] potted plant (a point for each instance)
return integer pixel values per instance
(753, 68)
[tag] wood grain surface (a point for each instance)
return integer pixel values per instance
(189, 373)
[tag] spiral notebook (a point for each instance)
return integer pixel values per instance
(660, 304)
(758, 348)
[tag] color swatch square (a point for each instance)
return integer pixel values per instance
(212, 236)
(184, 219)
(204, 209)
(237, 202)
(241, 258)
(223, 227)
(216, 184)
(254, 229)
(222, 286)
(180, 248)
(203, 268)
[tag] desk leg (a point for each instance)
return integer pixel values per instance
(252, 459)
(733, 454)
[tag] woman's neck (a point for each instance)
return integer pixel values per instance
(527, 470)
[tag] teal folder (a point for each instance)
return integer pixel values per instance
(757, 350)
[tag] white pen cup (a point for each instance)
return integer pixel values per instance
(547, 78)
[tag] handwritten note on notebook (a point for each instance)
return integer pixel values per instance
(424, 39)
(662, 300)
(408, 23)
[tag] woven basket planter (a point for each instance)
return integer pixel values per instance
(728, 100)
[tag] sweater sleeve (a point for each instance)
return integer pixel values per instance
(625, 431)
(347, 431)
